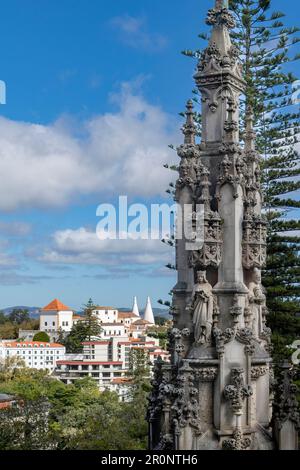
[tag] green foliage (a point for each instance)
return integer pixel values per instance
(8, 330)
(83, 330)
(52, 415)
(3, 318)
(160, 332)
(18, 316)
(41, 336)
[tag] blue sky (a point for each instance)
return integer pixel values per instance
(94, 89)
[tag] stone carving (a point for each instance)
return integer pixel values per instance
(211, 252)
(286, 406)
(237, 442)
(236, 311)
(254, 242)
(258, 371)
(165, 442)
(222, 337)
(237, 391)
(185, 408)
(206, 374)
(193, 409)
(176, 338)
(228, 174)
(210, 61)
(156, 396)
(257, 300)
(220, 17)
(202, 306)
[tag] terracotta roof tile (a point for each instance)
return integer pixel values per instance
(56, 305)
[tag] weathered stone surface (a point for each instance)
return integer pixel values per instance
(216, 392)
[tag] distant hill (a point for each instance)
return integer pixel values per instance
(33, 311)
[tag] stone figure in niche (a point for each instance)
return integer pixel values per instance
(257, 300)
(202, 307)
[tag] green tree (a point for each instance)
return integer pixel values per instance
(41, 336)
(90, 321)
(3, 318)
(19, 315)
(8, 330)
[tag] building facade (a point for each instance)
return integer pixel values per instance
(35, 354)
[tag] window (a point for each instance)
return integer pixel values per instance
(105, 374)
(67, 323)
(46, 324)
(53, 323)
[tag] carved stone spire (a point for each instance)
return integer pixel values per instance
(189, 128)
(219, 79)
(206, 398)
(249, 131)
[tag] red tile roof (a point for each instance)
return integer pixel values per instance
(141, 322)
(127, 315)
(15, 344)
(88, 343)
(56, 305)
(121, 380)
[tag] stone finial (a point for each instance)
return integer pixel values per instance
(189, 128)
(249, 131)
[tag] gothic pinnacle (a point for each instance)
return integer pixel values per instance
(189, 128)
(249, 131)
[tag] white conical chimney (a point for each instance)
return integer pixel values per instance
(148, 314)
(135, 308)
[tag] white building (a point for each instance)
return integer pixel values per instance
(35, 354)
(106, 314)
(103, 372)
(112, 329)
(139, 328)
(56, 316)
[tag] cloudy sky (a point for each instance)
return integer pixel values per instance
(93, 95)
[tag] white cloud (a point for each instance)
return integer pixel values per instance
(83, 247)
(134, 33)
(110, 154)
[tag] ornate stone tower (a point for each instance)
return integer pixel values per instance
(215, 394)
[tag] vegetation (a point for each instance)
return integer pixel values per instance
(51, 415)
(41, 336)
(160, 332)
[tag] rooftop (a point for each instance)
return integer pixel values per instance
(56, 305)
(99, 307)
(31, 344)
(127, 315)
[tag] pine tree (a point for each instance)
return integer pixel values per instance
(90, 321)
(266, 48)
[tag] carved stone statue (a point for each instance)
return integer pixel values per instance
(257, 300)
(202, 306)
